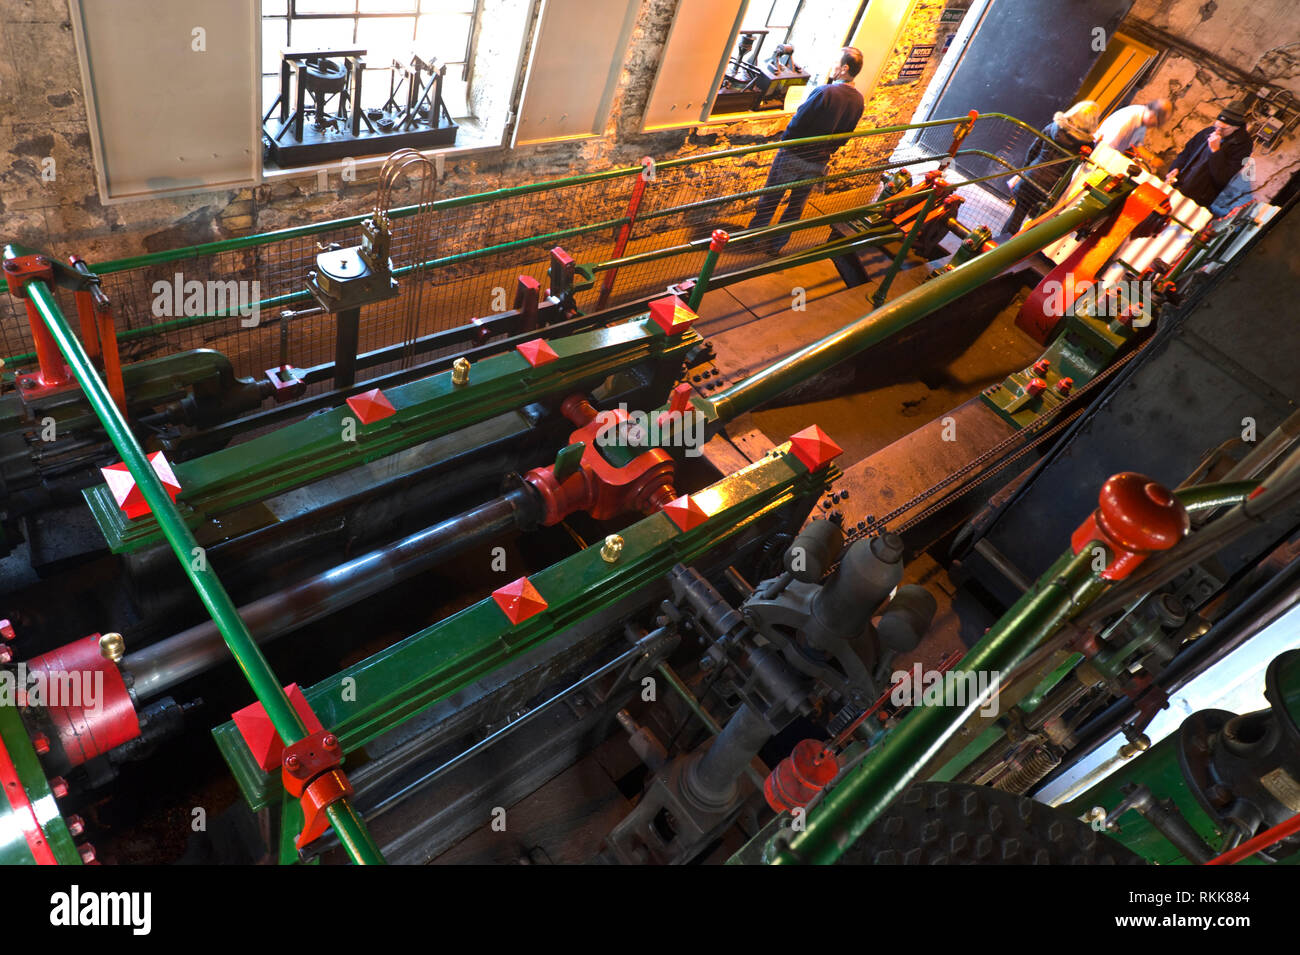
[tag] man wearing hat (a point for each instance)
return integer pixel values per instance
(1212, 157)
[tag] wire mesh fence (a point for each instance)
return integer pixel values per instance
(163, 302)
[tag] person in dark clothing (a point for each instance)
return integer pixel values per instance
(1071, 130)
(1212, 157)
(835, 107)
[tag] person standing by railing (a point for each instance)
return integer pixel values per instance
(835, 107)
(1071, 130)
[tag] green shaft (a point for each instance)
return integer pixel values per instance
(706, 274)
(903, 311)
(1208, 497)
(848, 809)
(288, 724)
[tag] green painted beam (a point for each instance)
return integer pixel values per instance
(428, 408)
(905, 310)
(396, 684)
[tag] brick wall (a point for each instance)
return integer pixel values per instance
(42, 114)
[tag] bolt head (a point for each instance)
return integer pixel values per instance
(291, 762)
(87, 853)
(41, 743)
(59, 786)
(76, 825)
(331, 741)
(6, 653)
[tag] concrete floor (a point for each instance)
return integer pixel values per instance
(884, 393)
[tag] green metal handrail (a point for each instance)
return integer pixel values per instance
(293, 298)
(257, 671)
(494, 195)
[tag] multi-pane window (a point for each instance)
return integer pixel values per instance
(388, 30)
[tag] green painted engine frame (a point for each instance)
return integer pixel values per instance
(428, 408)
(396, 684)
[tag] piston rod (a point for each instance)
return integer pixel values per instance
(188, 653)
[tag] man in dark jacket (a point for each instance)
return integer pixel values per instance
(1212, 157)
(833, 108)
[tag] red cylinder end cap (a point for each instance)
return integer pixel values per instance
(719, 239)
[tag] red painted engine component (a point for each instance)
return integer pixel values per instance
(1048, 303)
(800, 776)
(54, 372)
(129, 497)
(260, 736)
(86, 698)
(308, 768)
(602, 489)
(1135, 517)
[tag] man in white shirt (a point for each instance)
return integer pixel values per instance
(1127, 127)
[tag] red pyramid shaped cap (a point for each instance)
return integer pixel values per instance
(262, 739)
(519, 600)
(124, 490)
(671, 314)
(371, 406)
(813, 447)
(537, 352)
(685, 512)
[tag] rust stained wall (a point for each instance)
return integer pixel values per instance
(42, 115)
(1258, 38)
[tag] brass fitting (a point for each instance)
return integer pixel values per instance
(1139, 744)
(612, 548)
(112, 647)
(460, 372)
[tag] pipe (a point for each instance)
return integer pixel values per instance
(1209, 497)
(711, 779)
(263, 681)
(905, 310)
(158, 667)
